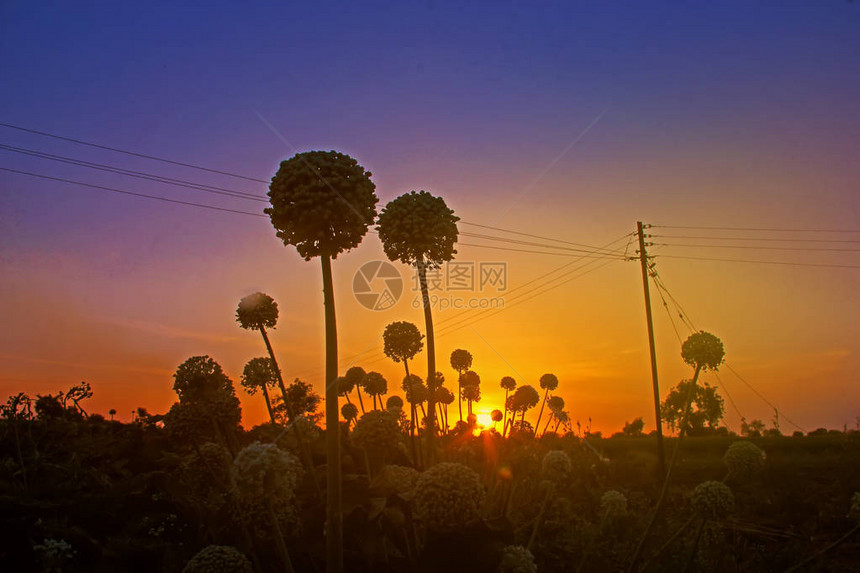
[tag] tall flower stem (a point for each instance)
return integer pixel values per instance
(303, 447)
(430, 415)
(334, 502)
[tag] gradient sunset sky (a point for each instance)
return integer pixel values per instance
(566, 120)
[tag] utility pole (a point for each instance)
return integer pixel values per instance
(643, 259)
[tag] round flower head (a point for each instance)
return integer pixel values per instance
(508, 383)
(377, 430)
(257, 310)
(218, 559)
(744, 459)
(555, 466)
(703, 350)
(517, 559)
(713, 500)
(264, 471)
(448, 496)
(401, 478)
(394, 404)
(854, 512)
(349, 411)
(613, 504)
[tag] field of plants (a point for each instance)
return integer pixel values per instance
(401, 476)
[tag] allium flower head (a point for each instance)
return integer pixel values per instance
(508, 383)
(349, 411)
(613, 504)
(257, 310)
(401, 478)
(394, 403)
(375, 383)
(517, 559)
(218, 559)
(744, 459)
(549, 382)
(704, 350)
(377, 430)
(555, 466)
(461, 360)
(448, 496)
(266, 471)
(713, 500)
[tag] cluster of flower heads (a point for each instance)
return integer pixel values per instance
(613, 504)
(555, 466)
(266, 471)
(744, 459)
(713, 500)
(377, 430)
(218, 559)
(400, 478)
(517, 559)
(448, 496)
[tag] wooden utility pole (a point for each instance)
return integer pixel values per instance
(643, 259)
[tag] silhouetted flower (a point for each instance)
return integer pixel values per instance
(613, 504)
(349, 412)
(377, 430)
(218, 559)
(555, 466)
(703, 350)
(448, 496)
(394, 404)
(713, 500)
(517, 559)
(744, 459)
(401, 478)
(257, 310)
(264, 471)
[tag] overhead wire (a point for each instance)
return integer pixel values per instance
(132, 153)
(136, 174)
(134, 193)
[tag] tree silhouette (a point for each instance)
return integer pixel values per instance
(259, 374)
(419, 229)
(461, 360)
(709, 408)
(549, 382)
(634, 429)
(322, 203)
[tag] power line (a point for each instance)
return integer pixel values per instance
(136, 174)
(111, 189)
(589, 256)
(132, 153)
(765, 400)
(533, 244)
(769, 239)
(762, 229)
(751, 247)
(793, 264)
(527, 235)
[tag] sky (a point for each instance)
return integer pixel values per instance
(568, 122)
